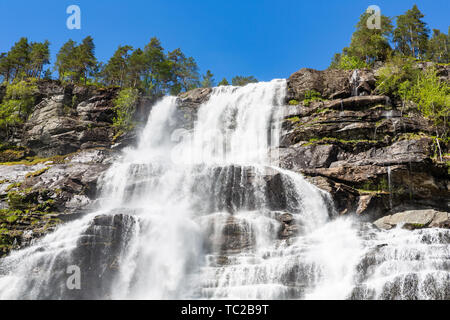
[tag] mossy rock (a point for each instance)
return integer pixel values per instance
(12, 155)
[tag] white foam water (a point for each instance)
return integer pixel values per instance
(195, 214)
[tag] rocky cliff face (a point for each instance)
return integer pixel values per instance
(49, 169)
(372, 157)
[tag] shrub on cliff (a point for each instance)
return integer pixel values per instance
(432, 96)
(125, 106)
(17, 103)
(345, 62)
(393, 76)
(400, 78)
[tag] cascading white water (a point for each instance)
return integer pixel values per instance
(206, 213)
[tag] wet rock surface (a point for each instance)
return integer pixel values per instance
(34, 199)
(371, 156)
(415, 219)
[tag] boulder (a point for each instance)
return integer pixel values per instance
(415, 219)
(330, 83)
(308, 156)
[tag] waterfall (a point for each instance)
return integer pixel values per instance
(208, 214)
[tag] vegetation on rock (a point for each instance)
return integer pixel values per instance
(125, 105)
(17, 104)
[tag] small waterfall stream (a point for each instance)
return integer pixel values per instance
(207, 214)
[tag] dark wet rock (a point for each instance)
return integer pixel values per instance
(331, 84)
(300, 156)
(367, 154)
(236, 236)
(235, 188)
(95, 258)
(98, 252)
(188, 105)
(55, 128)
(49, 193)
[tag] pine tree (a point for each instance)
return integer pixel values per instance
(439, 47)
(335, 62)
(76, 63)
(208, 80)
(136, 68)
(411, 33)
(224, 82)
(242, 81)
(153, 58)
(39, 56)
(370, 45)
(5, 67)
(116, 70)
(85, 59)
(19, 58)
(47, 75)
(65, 60)
(185, 75)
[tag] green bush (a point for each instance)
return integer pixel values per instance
(346, 62)
(432, 96)
(125, 106)
(18, 103)
(310, 96)
(396, 76)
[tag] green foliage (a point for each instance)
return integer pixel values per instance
(25, 59)
(311, 96)
(17, 104)
(395, 77)
(240, 81)
(411, 33)
(432, 97)
(116, 70)
(294, 119)
(13, 186)
(21, 200)
(439, 47)
(37, 173)
(76, 63)
(294, 102)
(381, 186)
(346, 62)
(125, 106)
(370, 45)
(410, 37)
(150, 70)
(31, 161)
(224, 82)
(401, 79)
(208, 80)
(184, 72)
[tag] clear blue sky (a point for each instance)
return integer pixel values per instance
(267, 39)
